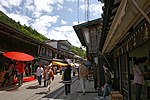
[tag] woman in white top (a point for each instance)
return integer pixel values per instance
(138, 79)
(39, 73)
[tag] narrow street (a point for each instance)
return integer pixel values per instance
(105, 42)
(31, 91)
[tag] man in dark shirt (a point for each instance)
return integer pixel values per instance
(107, 86)
(67, 79)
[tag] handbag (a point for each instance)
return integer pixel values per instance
(62, 77)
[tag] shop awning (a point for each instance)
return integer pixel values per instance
(59, 63)
(126, 17)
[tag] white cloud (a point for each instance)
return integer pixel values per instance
(94, 9)
(22, 19)
(30, 8)
(37, 14)
(56, 34)
(70, 10)
(29, 5)
(41, 24)
(63, 22)
(64, 33)
(59, 7)
(64, 28)
(4, 3)
(9, 3)
(15, 2)
(59, 1)
(47, 5)
(73, 39)
(2, 9)
(29, 2)
(44, 5)
(70, 0)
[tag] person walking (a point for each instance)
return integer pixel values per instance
(11, 73)
(20, 71)
(138, 79)
(147, 75)
(45, 74)
(108, 82)
(6, 77)
(74, 70)
(27, 70)
(49, 76)
(39, 73)
(83, 72)
(67, 79)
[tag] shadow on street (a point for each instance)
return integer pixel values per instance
(34, 87)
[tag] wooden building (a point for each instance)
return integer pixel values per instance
(63, 48)
(13, 40)
(126, 36)
(89, 34)
(46, 53)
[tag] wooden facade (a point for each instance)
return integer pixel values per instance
(46, 53)
(135, 45)
(89, 34)
(13, 40)
(62, 47)
(127, 38)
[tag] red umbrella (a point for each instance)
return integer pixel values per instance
(20, 56)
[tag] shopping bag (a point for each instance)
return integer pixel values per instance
(102, 88)
(62, 77)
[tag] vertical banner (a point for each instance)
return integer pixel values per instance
(96, 60)
(47, 52)
(39, 48)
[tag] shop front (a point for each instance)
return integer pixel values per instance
(136, 45)
(127, 39)
(13, 40)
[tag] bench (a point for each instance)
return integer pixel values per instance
(116, 95)
(114, 92)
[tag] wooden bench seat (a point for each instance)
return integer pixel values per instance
(115, 95)
(114, 92)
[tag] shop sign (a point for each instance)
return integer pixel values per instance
(145, 32)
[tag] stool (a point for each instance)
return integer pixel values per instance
(116, 96)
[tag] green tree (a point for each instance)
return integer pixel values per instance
(78, 51)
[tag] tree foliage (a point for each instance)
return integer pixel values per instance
(78, 51)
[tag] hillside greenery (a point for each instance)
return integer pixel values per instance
(22, 28)
(78, 51)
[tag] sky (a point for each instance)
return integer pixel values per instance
(52, 18)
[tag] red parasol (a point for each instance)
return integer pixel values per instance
(20, 56)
